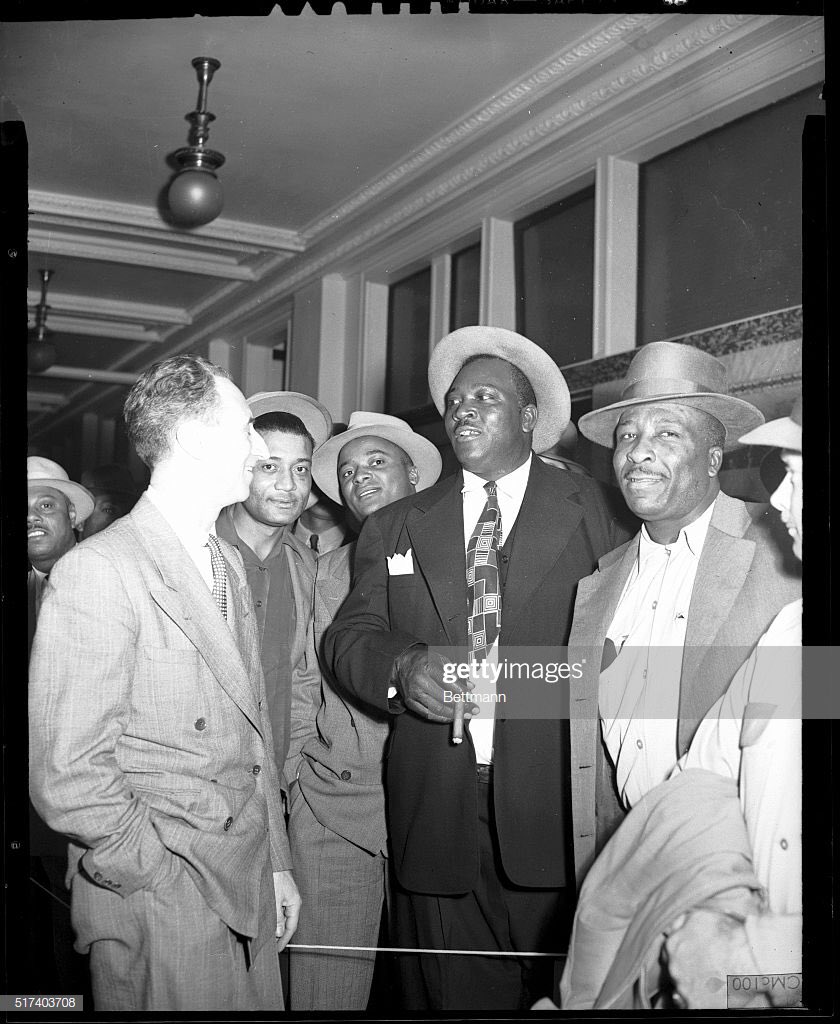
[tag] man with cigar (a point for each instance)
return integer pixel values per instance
(479, 832)
(667, 619)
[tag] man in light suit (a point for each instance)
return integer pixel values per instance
(668, 618)
(478, 829)
(280, 568)
(150, 741)
(337, 821)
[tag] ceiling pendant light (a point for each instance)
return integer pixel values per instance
(195, 193)
(40, 354)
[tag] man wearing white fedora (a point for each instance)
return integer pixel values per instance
(280, 568)
(668, 618)
(337, 819)
(481, 561)
(56, 506)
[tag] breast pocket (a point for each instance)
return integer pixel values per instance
(168, 691)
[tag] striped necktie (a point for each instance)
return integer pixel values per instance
(484, 595)
(219, 574)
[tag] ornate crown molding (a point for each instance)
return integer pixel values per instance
(144, 222)
(552, 75)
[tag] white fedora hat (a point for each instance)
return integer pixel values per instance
(42, 472)
(314, 416)
(419, 449)
(785, 432)
(554, 405)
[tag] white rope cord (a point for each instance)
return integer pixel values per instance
(436, 952)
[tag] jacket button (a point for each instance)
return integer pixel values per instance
(256, 769)
(97, 876)
(345, 775)
(258, 604)
(228, 823)
(200, 724)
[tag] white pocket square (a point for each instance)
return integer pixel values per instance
(400, 565)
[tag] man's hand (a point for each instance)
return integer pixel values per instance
(287, 899)
(420, 681)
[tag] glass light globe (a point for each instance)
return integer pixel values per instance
(40, 355)
(195, 198)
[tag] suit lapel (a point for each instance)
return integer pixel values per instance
(544, 527)
(598, 596)
(721, 573)
(436, 534)
(185, 598)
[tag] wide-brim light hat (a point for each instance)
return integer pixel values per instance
(785, 432)
(42, 472)
(554, 406)
(419, 449)
(314, 416)
(667, 371)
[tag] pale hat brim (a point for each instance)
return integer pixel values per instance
(554, 406)
(734, 414)
(314, 416)
(83, 501)
(419, 449)
(780, 433)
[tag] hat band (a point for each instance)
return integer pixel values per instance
(663, 387)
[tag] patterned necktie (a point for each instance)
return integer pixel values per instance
(484, 595)
(219, 574)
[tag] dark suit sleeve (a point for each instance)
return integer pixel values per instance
(360, 645)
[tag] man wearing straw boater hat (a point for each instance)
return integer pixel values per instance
(481, 561)
(668, 618)
(337, 818)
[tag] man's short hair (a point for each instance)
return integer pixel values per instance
(169, 392)
(283, 423)
(524, 391)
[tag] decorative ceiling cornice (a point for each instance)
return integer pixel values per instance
(598, 99)
(110, 309)
(144, 222)
(555, 74)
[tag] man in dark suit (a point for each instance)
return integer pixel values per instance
(479, 830)
(150, 741)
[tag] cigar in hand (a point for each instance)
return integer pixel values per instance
(458, 723)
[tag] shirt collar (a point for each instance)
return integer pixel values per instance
(692, 536)
(226, 529)
(512, 485)
(191, 534)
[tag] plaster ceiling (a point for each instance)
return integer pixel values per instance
(309, 110)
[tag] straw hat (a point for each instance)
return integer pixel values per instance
(554, 406)
(419, 449)
(785, 432)
(42, 472)
(312, 414)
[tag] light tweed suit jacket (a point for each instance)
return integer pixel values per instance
(340, 771)
(149, 734)
(744, 577)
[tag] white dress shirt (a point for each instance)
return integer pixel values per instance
(190, 533)
(510, 490)
(639, 693)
